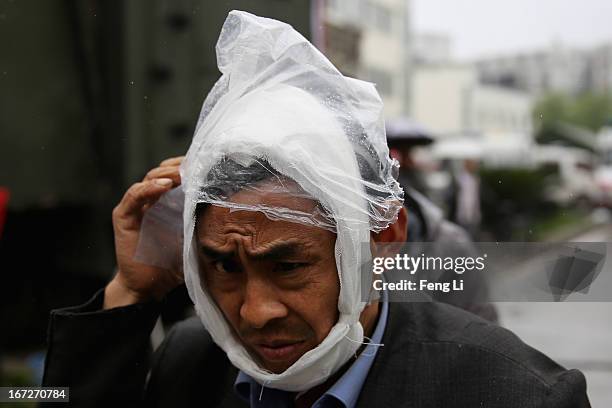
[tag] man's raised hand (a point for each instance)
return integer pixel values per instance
(136, 282)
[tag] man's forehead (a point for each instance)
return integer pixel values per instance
(218, 223)
(280, 192)
(265, 212)
(280, 197)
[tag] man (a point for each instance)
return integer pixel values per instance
(281, 305)
(287, 178)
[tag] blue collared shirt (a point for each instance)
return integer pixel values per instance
(343, 393)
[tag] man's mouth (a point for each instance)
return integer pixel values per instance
(280, 350)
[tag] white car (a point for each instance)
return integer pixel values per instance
(575, 166)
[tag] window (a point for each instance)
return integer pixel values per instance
(380, 17)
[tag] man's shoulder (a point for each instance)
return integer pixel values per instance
(437, 346)
(442, 326)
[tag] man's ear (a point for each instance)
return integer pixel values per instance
(395, 234)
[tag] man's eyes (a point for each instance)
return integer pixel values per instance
(288, 267)
(228, 266)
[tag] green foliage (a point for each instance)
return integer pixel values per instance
(513, 198)
(589, 110)
(525, 187)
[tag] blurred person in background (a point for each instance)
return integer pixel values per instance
(426, 221)
(403, 137)
(464, 201)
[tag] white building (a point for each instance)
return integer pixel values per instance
(450, 100)
(431, 49)
(556, 69)
(599, 76)
(369, 39)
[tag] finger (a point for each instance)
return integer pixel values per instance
(171, 172)
(140, 194)
(173, 161)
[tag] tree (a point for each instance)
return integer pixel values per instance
(588, 110)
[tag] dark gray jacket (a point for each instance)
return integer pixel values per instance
(434, 355)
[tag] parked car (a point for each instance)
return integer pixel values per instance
(576, 184)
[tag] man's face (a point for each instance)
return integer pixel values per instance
(276, 282)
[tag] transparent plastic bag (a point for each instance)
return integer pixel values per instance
(282, 119)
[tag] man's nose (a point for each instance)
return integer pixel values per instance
(261, 304)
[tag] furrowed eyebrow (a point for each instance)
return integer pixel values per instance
(214, 253)
(281, 250)
(284, 250)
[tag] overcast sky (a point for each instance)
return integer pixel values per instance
(489, 27)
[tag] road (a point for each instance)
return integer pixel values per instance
(577, 335)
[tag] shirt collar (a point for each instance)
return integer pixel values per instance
(346, 390)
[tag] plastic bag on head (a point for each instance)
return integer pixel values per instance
(282, 119)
